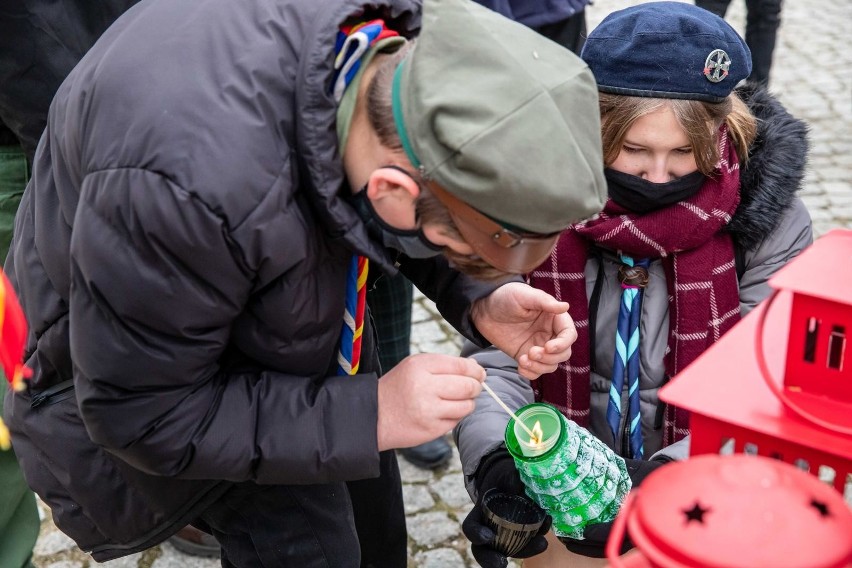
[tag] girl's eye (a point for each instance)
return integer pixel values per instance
(684, 151)
(631, 149)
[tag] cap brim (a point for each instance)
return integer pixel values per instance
(506, 250)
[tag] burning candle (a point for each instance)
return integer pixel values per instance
(544, 422)
(566, 470)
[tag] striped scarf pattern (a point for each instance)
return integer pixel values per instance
(698, 259)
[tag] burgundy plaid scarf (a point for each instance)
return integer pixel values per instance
(698, 258)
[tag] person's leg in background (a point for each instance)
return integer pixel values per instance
(19, 522)
(390, 301)
(763, 18)
(718, 7)
(569, 33)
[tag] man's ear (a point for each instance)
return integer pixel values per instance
(392, 184)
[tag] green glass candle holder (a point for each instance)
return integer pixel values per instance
(571, 474)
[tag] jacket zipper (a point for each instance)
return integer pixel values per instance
(54, 394)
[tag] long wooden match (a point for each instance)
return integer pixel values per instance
(509, 410)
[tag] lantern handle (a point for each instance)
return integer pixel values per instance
(766, 374)
(616, 535)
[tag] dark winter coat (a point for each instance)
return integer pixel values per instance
(181, 255)
(40, 42)
(770, 227)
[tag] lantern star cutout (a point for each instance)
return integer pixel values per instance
(696, 513)
(821, 507)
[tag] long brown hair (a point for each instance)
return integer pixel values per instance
(700, 120)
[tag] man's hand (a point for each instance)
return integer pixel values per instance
(529, 325)
(424, 397)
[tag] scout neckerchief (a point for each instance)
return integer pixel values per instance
(698, 258)
(625, 366)
(353, 43)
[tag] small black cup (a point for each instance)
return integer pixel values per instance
(515, 520)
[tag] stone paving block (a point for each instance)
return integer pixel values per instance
(451, 491)
(416, 498)
(420, 314)
(819, 213)
(173, 558)
(425, 302)
(841, 200)
(430, 332)
(459, 513)
(439, 558)
(843, 213)
(53, 542)
(66, 564)
(834, 174)
(411, 473)
(431, 528)
(440, 347)
(131, 561)
(821, 228)
(454, 465)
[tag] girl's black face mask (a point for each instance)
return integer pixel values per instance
(642, 196)
(410, 242)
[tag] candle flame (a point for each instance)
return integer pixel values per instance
(538, 434)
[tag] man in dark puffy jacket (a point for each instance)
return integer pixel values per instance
(183, 250)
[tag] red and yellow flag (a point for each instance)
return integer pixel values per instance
(13, 338)
(13, 335)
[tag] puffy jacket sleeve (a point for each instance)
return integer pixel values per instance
(453, 292)
(156, 283)
(793, 233)
(482, 431)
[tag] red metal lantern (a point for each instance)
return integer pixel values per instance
(733, 512)
(779, 384)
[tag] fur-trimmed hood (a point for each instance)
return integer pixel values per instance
(774, 171)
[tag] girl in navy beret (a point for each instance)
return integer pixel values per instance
(702, 170)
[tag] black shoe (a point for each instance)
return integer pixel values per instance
(429, 455)
(195, 542)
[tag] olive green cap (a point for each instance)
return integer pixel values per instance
(501, 117)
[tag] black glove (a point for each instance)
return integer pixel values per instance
(497, 471)
(596, 535)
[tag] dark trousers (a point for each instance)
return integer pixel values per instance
(569, 33)
(334, 525)
(390, 300)
(763, 17)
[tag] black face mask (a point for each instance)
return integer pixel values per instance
(411, 242)
(641, 196)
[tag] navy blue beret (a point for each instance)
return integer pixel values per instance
(667, 50)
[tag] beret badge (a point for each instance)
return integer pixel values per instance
(716, 65)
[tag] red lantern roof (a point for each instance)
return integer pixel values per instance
(823, 270)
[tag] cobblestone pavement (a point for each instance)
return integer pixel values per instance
(811, 75)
